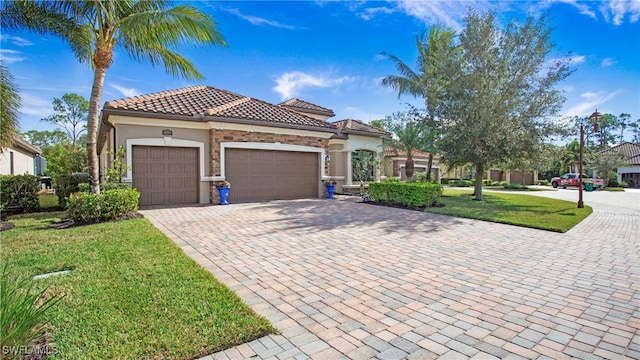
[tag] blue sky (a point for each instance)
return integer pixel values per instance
(328, 53)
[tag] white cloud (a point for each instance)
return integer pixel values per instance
(449, 13)
(35, 106)
(255, 20)
(592, 100)
(10, 56)
(606, 62)
(289, 84)
(577, 59)
(615, 11)
(369, 13)
(15, 40)
(127, 92)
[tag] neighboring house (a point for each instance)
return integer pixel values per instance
(21, 158)
(179, 143)
(395, 160)
(631, 172)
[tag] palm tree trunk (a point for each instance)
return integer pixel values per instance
(478, 188)
(408, 168)
(92, 128)
(429, 165)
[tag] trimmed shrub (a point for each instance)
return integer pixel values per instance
(504, 183)
(20, 191)
(487, 182)
(460, 183)
(87, 208)
(513, 186)
(392, 180)
(114, 185)
(445, 180)
(417, 194)
(623, 184)
(420, 176)
(612, 183)
(66, 185)
(543, 182)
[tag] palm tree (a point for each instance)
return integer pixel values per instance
(145, 29)
(410, 135)
(10, 100)
(428, 78)
(571, 156)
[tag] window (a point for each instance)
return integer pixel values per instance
(362, 165)
(11, 170)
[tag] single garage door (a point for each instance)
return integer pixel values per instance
(262, 175)
(165, 175)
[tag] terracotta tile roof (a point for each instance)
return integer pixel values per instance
(630, 151)
(196, 101)
(352, 126)
(390, 151)
(301, 105)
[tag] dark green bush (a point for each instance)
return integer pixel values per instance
(487, 182)
(543, 182)
(114, 185)
(65, 185)
(417, 194)
(504, 183)
(513, 186)
(20, 190)
(392, 180)
(612, 183)
(461, 183)
(445, 180)
(87, 208)
(623, 184)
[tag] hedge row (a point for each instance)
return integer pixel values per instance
(20, 190)
(66, 185)
(87, 208)
(417, 194)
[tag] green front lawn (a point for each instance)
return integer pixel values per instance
(48, 200)
(132, 292)
(515, 209)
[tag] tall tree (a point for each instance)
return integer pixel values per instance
(71, 115)
(146, 30)
(428, 79)
(500, 94)
(45, 138)
(606, 136)
(635, 129)
(623, 124)
(10, 100)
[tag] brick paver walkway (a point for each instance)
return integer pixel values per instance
(356, 281)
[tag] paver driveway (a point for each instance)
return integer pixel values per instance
(349, 280)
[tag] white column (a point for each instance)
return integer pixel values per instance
(349, 168)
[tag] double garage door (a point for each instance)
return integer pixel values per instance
(169, 175)
(262, 175)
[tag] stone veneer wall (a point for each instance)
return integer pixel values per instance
(216, 137)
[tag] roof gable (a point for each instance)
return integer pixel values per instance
(352, 126)
(304, 106)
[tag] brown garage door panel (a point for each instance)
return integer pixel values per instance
(165, 175)
(262, 175)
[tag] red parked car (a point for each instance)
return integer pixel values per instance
(571, 179)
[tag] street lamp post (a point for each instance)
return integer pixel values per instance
(594, 120)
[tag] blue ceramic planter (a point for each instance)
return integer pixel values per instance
(223, 192)
(330, 189)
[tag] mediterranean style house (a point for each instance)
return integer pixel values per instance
(630, 172)
(180, 143)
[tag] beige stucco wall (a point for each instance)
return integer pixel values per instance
(126, 132)
(22, 162)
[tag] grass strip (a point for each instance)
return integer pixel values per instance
(132, 292)
(514, 209)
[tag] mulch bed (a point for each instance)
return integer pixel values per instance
(68, 223)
